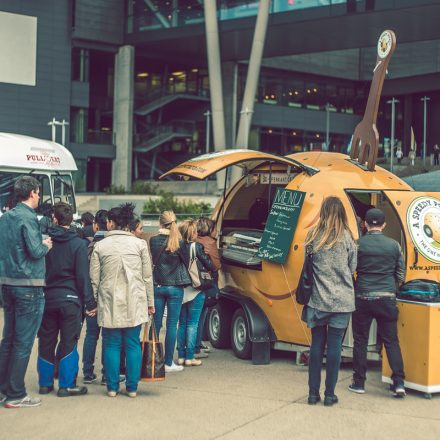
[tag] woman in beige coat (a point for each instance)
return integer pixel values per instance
(121, 275)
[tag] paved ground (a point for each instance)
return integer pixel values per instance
(226, 399)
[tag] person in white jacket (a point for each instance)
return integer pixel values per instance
(121, 275)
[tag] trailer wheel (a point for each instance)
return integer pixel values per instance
(240, 341)
(219, 323)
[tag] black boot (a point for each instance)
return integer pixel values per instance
(74, 391)
(46, 390)
(313, 400)
(330, 400)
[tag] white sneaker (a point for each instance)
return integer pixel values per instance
(3, 398)
(173, 368)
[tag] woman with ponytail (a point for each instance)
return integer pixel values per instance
(193, 299)
(334, 259)
(170, 276)
(121, 275)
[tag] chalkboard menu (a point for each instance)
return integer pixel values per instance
(281, 224)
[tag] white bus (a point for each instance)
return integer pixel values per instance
(50, 163)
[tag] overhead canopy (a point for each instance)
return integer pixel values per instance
(206, 165)
(25, 152)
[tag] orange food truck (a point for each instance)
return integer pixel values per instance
(262, 223)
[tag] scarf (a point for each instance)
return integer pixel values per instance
(164, 231)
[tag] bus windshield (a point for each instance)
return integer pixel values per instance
(63, 189)
(7, 199)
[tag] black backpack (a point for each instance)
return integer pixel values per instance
(420, 290)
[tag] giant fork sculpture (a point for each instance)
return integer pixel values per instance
(366, 137)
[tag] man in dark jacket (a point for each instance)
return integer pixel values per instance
(68, 288)
(22, 270)
(380, 270)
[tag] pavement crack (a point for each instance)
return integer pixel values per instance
(223, 393)
(261, 416)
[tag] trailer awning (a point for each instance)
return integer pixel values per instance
(206, 165)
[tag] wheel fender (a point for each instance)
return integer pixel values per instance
(260, 330)
(259, 327)
(258, 324)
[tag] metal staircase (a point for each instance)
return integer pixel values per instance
(163, 100)
(145, 142)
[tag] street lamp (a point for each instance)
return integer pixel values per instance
(207, 114)
(53, 123)
(425, 99)
(393, 103)
(327, 126)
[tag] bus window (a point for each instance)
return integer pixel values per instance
(63, 189)
(7, 180)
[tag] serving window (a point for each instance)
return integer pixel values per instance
(363, 200)
(245, 217)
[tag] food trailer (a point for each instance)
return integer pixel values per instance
(50, 163)
(263, 220)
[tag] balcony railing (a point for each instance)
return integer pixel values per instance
(93, 137)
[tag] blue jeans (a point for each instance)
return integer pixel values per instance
(112, 341)
(200, 328)
(188, 323)
(322, 335)
(23, 310)
(172, 296)
(89, 347)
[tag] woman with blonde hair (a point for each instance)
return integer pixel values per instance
(193, 299)
(170, 276)
(334, 259)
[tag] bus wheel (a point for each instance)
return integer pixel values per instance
(240, 341)
(219, 322)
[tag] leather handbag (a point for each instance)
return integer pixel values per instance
(305, 284)
(153, 359)
(201, 278)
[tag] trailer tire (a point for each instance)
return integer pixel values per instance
(240, 342)
(219, 322)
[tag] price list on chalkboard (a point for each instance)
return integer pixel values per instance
(281, 224)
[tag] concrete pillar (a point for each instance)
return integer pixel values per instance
(230, 84)
(123, 116)
(247, 106)
(215, 80)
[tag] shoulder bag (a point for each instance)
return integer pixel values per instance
(200, 277)
(153, 359)
(305, 285)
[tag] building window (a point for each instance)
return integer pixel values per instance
(80, 64)
(78, 125)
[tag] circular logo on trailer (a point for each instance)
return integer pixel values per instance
(423, 220)
(384, 44)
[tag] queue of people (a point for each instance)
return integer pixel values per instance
(117, 282)
(104, 275)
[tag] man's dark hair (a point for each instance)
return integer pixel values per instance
(87, 219)
(23, 187)
(101, 217)
(63, 213)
